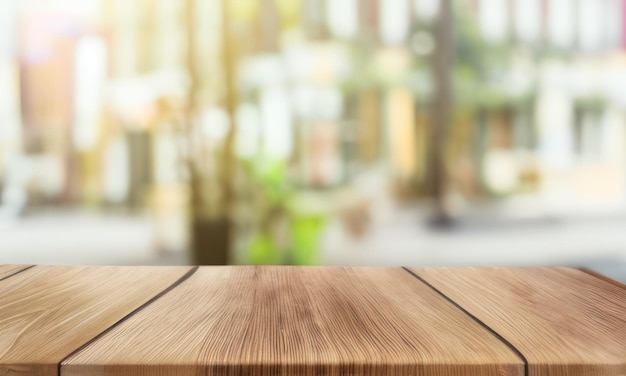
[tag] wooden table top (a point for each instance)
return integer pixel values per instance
(238, 320)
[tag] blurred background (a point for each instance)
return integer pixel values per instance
(329, 132)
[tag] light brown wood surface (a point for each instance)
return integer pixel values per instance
(7, 271)
(603, 277)
(46, 313)
(310, 321)
(565, 322)
(298, 321)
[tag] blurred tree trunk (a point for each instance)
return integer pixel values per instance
(437, 179)
(211, 235)
(229, 67)
(197, 200)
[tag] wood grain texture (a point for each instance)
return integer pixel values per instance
(298, 321)
(603, 277)
(565, 322)
(46, 313)
(7, 271)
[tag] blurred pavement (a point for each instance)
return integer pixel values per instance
(402, 239)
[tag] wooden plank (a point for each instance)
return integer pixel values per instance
(298, 321)
(564, 321)
(7, 271)
(46, 313)
(602, 277)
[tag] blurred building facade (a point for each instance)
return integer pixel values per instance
(96, 110)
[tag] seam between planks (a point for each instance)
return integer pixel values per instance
(182, 279)
(476, 319)
(17, 272)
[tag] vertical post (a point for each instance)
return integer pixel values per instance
(442, 111)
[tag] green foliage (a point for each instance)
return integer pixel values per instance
(280, 207)
(264, 250)
(272, 177)
(363, 74)
(471, 51)
(305, 235)
(479, 65)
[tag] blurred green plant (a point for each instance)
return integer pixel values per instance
(286, 232)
